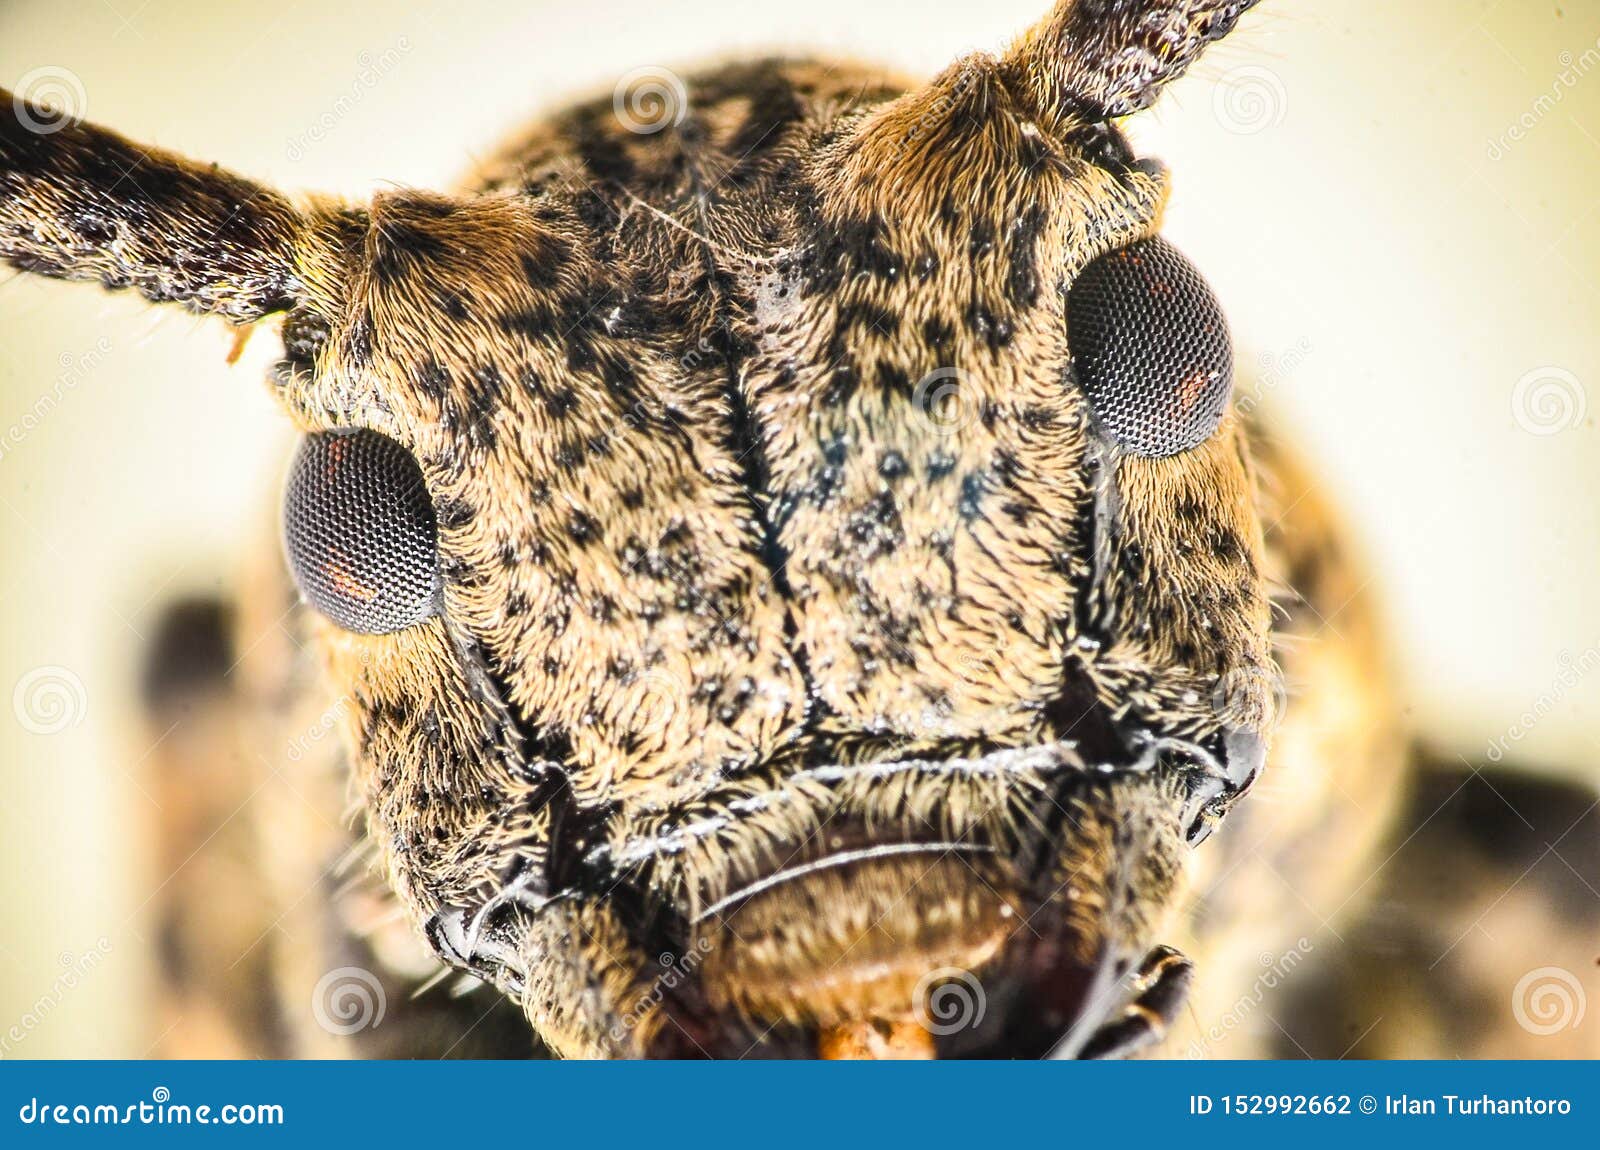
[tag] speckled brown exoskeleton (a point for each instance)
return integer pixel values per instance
(782, 568)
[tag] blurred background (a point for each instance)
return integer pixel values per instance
(1394, 202)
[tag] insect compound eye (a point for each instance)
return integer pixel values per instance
(360, 532)
(1151, 349)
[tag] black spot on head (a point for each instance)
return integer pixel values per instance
(400, 246)
(981, 240)
(842, 383)
(458, 572)
(973, 488)
(579, 347)
(996, 331)
(453, 514)
(1022, 278)
(872, 318)
(601, 147)
(874, 527)
(1037, 417)
(561, 402)
(569, 456)
(542, 267)
(1225, 545)
(485, 391)
(844, 249)
(893, 379)
(469, 421)
(454, 304)
(824, 485)
(600, 216)
(432, 379)
(582, 527)
(619, 375)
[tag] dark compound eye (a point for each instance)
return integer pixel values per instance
(360, 532)
(1151, 349)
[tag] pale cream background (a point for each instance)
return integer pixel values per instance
(1385, 271)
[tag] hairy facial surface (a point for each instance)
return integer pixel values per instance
(731, 547)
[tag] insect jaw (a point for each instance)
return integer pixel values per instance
(1048, 937)
(1055, 972)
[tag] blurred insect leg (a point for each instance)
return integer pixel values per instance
(350, 976)
(1162, 986)
(214, 996)
(1289, 869)
(274, 938)
(1483, 936)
